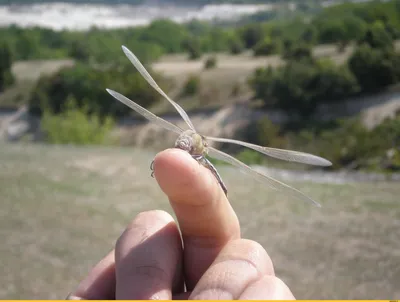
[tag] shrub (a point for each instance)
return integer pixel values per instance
(211, 62)
(76, 126)
(191, 86)
(85, 82)
(298, 86)
(6, 76)
(251, 35)
(350, 144)
(374, 68)
(377, 36)
(265, 133)
(297, 52)
(250, 157)
(236, 45)
(265, 47)
(193, 47)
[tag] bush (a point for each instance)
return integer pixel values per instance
(374, 68)
(352, 145)
(250, 157)
(193, 47)
(236, 45)
(6, 76)
(265, 47)
(377, 37)
(85, 82)
(297, 52)
(265, 133)
(76, 126)
(192, 86)
(299, 86)
(251, 35)
(211, 62)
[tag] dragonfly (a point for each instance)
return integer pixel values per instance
(198, 147)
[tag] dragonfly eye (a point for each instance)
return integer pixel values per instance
(184, 143)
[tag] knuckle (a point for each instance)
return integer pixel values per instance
(251, 252)
(146, 224)
(151, 218)
(151, 272)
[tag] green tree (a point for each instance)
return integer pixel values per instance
(87, 84)
(331, 31)
(374, 68)
(193, 48)
(236, 45)
(377, 37)
(6, 76)
(298, 86)
(166, 33)
(251, 35)
(266, 47)
(297, 52)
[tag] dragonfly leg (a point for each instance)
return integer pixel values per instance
(152, 168)
(206, 163)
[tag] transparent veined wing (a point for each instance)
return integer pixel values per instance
(264, 179)
(288, 155)
(145, 113)
(139, 66)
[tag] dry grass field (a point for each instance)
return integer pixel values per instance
(63, 207)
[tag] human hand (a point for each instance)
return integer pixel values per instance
(151, 260)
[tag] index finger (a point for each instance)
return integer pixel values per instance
(205, 216)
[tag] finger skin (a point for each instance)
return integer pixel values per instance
(148, 258)
(239, 264)
(205, 216)
(267, 288)
(100, 283)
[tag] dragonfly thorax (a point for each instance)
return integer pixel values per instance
(191, 142)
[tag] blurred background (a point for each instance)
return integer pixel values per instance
(309, 75)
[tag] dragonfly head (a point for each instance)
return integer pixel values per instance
(192, 142)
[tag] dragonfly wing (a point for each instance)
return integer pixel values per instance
(287, 155)
(271, 182)
(144, 112)
(139, 66)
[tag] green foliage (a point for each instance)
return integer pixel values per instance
(236, 45)
(265, 133)
(297, 51)
(166, 33)
(337, 24)
(250, 157)
(331, 32)
(377, 37)
(84, 82)
(76, 125)
(352, 145)
(6, 76)
(309, 35)
(298, 86)
(266, 47)
(251, 35)
(191, 86)
(210, 63)
(193, 47)
(374, 68)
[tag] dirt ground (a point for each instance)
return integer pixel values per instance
(62, 208)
